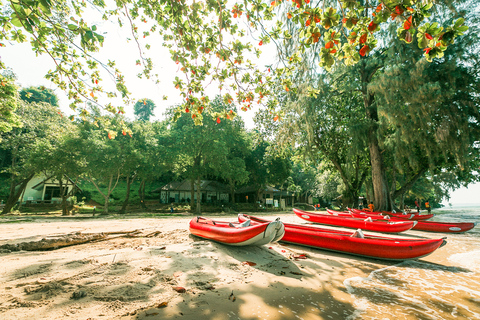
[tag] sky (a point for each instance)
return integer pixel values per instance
(470, 195)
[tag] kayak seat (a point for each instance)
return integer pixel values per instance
(240, 225)
(358, 234)
(369, 219)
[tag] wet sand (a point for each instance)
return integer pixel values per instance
(172, 275)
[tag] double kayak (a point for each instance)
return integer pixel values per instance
(237, 234)
(388, 226)
(430, 226)
(355, 243)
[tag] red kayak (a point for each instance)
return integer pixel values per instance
(350, 222)
(431, 226)
(236, 234)
(450, 227)
(415, 216)
(348, 242)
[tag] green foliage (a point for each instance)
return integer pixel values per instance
(39, 94)
(8, 104)
(208, 41)
(143, 109)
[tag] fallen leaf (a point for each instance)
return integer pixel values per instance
(162, 305)
(297, 273)
(179, 289)
(162, 248)
(251, 264)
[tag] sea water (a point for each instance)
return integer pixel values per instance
(444, 285)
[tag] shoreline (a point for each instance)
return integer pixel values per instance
(174, 275)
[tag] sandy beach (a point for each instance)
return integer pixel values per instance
(154, 269)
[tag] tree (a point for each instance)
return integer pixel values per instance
(60, 158)
(149, 154)
(8, 104)
(329, 128)
(207, 149)
(105, 157)
(143, 109)
(41, 124)
(383, 125)
(212, 45)
(39, 94)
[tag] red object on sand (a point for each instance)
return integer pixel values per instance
(371, 246)
(236, 234)
(357, 223)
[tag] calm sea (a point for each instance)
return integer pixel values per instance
(444, 285)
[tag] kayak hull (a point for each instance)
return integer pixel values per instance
(227, 233)
(378, 247)
(350, 222)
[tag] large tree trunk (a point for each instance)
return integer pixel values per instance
(192, 193)
(15, 194)
(232, 192)
(379, 181)
(141, 194)
(63, 195)
(198, 210)
(127, 196)
(380, 188)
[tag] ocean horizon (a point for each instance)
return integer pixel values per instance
(460, 205)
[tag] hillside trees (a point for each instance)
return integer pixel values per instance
(42, 124)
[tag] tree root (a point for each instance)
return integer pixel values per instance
(65, 241)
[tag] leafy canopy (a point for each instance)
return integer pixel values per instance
(211, 41)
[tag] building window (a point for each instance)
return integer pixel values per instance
(53, 192)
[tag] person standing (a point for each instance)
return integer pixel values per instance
(427, 206)
(417, 205)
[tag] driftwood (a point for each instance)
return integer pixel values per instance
(65, 241)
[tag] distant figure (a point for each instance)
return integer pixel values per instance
(427, 206)
(171, 208)
(417, 205)
(371, 207)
